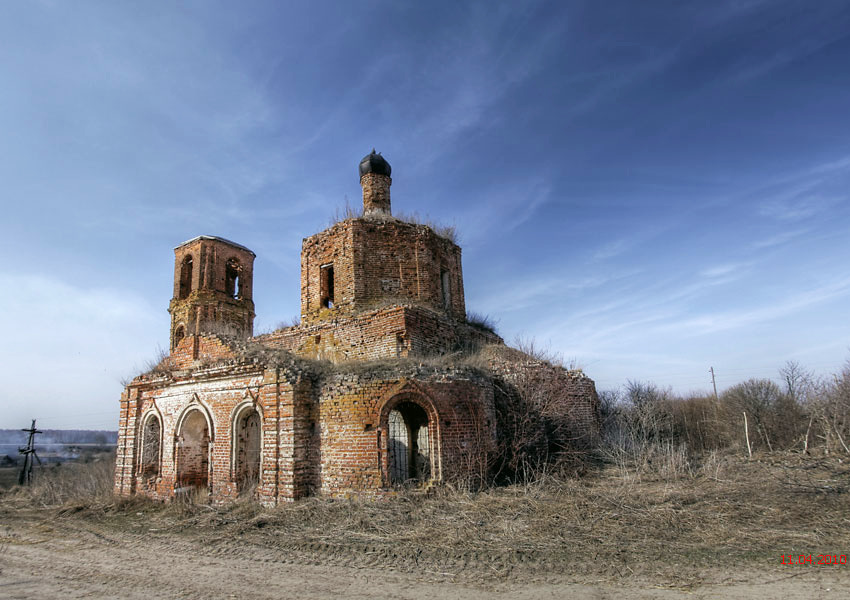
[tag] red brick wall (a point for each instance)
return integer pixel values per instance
(330, 439)
(398, 331)
(377, 261)
(353, 412)
(215, 396)
(208, 308)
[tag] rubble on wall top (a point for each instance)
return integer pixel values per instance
(216, 238)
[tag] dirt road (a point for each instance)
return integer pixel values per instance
(45, 555)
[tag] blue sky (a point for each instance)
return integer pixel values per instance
(647, 188)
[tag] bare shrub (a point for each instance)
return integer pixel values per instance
(481, 321)
(532, 348)
(639, 431)
(695, 423)
(829, 412)
(347, 211)
(775, 418)
(542, 428)
(445, 231)
(344, 213)
(161, 363)
(293, 321)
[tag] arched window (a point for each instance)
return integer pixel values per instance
(179, 334)
(409, 444)
(193, 450)
(149, 461)
(232, 284)
(446, 288)
(247, 435)
(186, 277)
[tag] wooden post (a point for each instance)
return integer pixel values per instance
(747, 435)
(806, 441)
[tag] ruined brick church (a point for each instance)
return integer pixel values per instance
(383, 383)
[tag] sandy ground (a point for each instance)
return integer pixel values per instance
(66, 557)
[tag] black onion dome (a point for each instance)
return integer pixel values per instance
(375, 163)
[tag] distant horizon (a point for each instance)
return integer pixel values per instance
(647, 189)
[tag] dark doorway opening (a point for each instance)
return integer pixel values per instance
(409, 444)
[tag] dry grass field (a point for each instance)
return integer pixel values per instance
(8, 477)
(719, 529)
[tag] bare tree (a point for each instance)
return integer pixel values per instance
(830, 409)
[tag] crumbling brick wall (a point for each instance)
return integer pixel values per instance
(566, 399)
(215, 395)
(213, 288)
(233, 414)
(319, 435)
(380, 261)
(353, 412)
(392, 332)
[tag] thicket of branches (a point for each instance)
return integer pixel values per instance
(540, 415)
(646, 427)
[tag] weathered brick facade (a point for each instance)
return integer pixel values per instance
(213, 282)
(347, 402)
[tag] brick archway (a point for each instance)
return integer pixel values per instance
(192, 452)
(150, 456)
(409, 440)
(246, 457)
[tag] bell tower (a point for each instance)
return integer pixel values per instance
(213, 281)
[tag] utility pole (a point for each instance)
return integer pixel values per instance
(713, 383)
(29, 452)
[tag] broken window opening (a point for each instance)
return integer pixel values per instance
(232, 283)
(185, 278)
(409, 444)
(326, 285)
(149, 463)
(247, 433)
(447, 293)
(179, 334)
(193, 445)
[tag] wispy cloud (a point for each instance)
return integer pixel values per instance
(742, 318)
(796, 209)
(503, 208)
(724, 271)
(613, 249)
(779, 239)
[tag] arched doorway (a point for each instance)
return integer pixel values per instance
(247, 435)
(193, 451)
(408, 444)
(149, 460)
